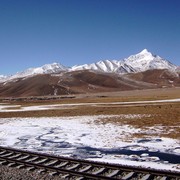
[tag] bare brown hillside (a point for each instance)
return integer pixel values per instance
(160, 77)
(77, 82)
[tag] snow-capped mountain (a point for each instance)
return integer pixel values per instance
(140, 71)
(140, 62)
(145, 60)
(135, 63)
(45, 69)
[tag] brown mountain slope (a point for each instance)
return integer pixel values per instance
(85, 82)
(160, 77)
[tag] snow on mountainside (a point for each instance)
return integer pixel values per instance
(2, 77)
(135, 63)
(105, 65)
(46, 69)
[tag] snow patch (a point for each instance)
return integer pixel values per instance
(82, 137)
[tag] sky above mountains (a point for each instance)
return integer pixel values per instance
(37, 32)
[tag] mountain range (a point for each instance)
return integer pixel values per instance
(135, 63)
(140, 71)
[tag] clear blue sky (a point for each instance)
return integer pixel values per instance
(38, 32)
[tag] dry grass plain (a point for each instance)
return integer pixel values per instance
(165, 115)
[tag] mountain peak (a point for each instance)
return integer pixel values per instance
(53, 66)
(144, 51)
(45, 69)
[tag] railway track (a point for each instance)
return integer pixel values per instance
(68, 168)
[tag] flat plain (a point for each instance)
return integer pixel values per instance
(166, 114)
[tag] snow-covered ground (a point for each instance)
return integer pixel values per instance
(88, 137)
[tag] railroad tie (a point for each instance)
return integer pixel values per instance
(2, 152)
(6, 155)
(41, 161)
(129, 175)
(85, 168)
(15, 156)
(51, 163)
(113, 173)
(73, 167)
(20, 166)
(11, 164)
(3, 162)
(30, 168)
(62, 164)
(53, 173)
(24, 157)
(32, 159)
(146, 177)
(99, 171)
(41, 171)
